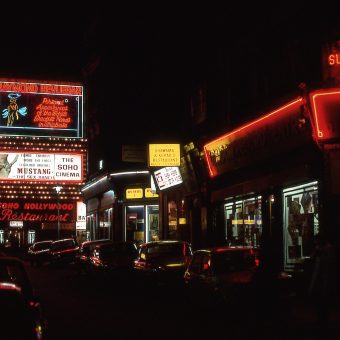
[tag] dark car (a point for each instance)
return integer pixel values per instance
(163, 261)
(83, 260)
(221, 273)
(38, 252)
(21, 312)
(229, 274)
(113, 256)
(63, 251)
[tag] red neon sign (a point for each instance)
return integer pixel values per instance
(255, 138)
(326, 113)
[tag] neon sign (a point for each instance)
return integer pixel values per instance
(37, 212)
(43, 110)
(274, 132)
(325, 109)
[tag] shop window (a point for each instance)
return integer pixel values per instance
(134, 223)
(243, 222)
(301, 223)
(172, 220)
(153, 223)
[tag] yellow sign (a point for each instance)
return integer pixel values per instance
(182, 220)
(134, 193)
(149, 193)
(164, 155)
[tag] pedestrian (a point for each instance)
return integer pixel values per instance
(322, 285)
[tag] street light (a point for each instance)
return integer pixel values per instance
(58, 189)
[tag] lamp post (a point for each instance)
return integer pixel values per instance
(58, 189)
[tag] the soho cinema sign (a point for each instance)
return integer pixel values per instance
(37, 212)
(41, 167)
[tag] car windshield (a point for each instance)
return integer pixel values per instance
(165, 250)
(42, 245)
(232, 261)
(67, 244)
(112, 249)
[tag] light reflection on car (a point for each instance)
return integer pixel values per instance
(222, 273)
(21, 312)
(38, 252)
(163, 261)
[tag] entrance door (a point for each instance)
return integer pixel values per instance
(152, 222)
(134, 223)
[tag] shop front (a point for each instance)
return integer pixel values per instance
(24, 222)
(121, 206)
(269, 181)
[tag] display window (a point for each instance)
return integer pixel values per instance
(300, 223)
(243, 221)
(153, 223)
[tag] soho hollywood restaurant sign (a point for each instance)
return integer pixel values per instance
(36, 212)
(41, 167)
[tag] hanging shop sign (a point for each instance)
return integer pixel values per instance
(41, 167)
(273, 133)
(161, 155)
(41, 109)
(33, 211)
(133, 193)
(168, 177)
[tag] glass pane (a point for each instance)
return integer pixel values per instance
(301, 223)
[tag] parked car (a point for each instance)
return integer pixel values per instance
(83, 260)
(163, 261)
(21, 312)
(38, 252)
(226, 274)
(63, 251)
(113, 256)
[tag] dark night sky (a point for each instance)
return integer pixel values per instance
(148, 56)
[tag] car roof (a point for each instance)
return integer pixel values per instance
(156, 243)
(224, 249)
(46, 241)
(113, 243)
(95, 241)
(64, 240)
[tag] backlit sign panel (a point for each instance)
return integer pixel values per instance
(133, 193)
(168, 177)
(39, 109)
(41, 167)
(36, 211)
(164, 155)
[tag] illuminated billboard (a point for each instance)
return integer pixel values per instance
(168, 177)
(41, 167)
(40, 109)
(164, 155)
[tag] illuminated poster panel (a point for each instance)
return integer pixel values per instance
(42, 110)
(168, 177)
(41, 167)
(164, 155)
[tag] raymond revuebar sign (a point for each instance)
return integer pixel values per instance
(161, 155)
(41, 167)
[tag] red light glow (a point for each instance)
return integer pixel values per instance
(224, 141)
(326, 114)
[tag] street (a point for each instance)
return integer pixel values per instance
(108, 307)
